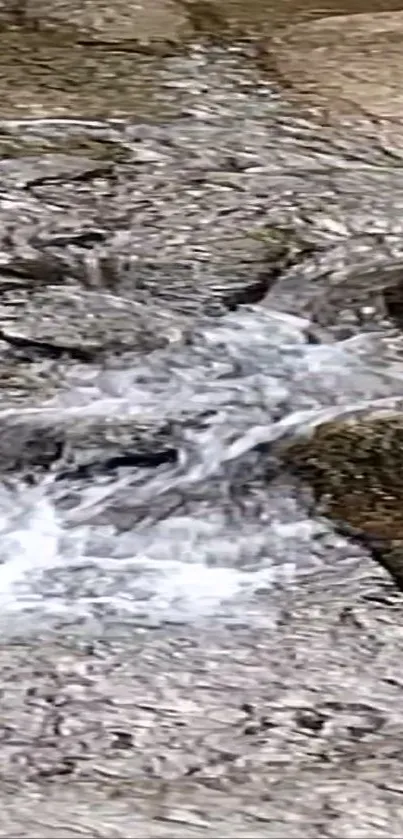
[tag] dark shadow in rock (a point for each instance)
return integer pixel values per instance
(80, 238)
(42, 269)
(393, 297)
(126, 460)
(74, 446)
(388, 553)
(250, 294)
(32, 171)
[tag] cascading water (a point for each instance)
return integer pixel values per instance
(211, 527)
(219, 527)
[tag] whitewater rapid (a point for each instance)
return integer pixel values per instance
(211, 534)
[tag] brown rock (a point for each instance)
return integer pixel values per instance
(355, 468)
(102, 20)
(349, 62)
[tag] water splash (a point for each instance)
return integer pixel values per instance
(211, 531)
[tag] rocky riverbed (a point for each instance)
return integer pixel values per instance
(200, 272)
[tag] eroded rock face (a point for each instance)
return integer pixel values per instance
(54, 75)
(100, 20)
(355, 467)
(350, 61)
(71, 57)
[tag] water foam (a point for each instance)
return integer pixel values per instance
(210, 531)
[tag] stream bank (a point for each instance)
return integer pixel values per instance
(254, 687)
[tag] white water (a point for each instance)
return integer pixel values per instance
(210, 532)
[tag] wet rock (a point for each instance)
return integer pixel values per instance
(351, 287)
(185, 287)
(54, 322)
(22, 269)
(81, 446)
(258, 16)
(355, 467)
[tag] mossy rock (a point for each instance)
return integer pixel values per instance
(355, 468)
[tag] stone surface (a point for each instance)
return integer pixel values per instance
(100, 20)
(212, 731)
(84, 324)
(349, 62)
(355, 467)
(289, 719)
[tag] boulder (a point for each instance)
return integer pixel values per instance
(355, 468)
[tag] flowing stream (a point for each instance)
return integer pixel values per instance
(213, 526)
(213, 532)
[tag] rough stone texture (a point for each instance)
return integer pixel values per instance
(262, 17)
(350, 61)
(44, 75)
(294, 725)
(99, 20)
(356, 465)
(288, 721)
(84, 325)
(355, 468)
